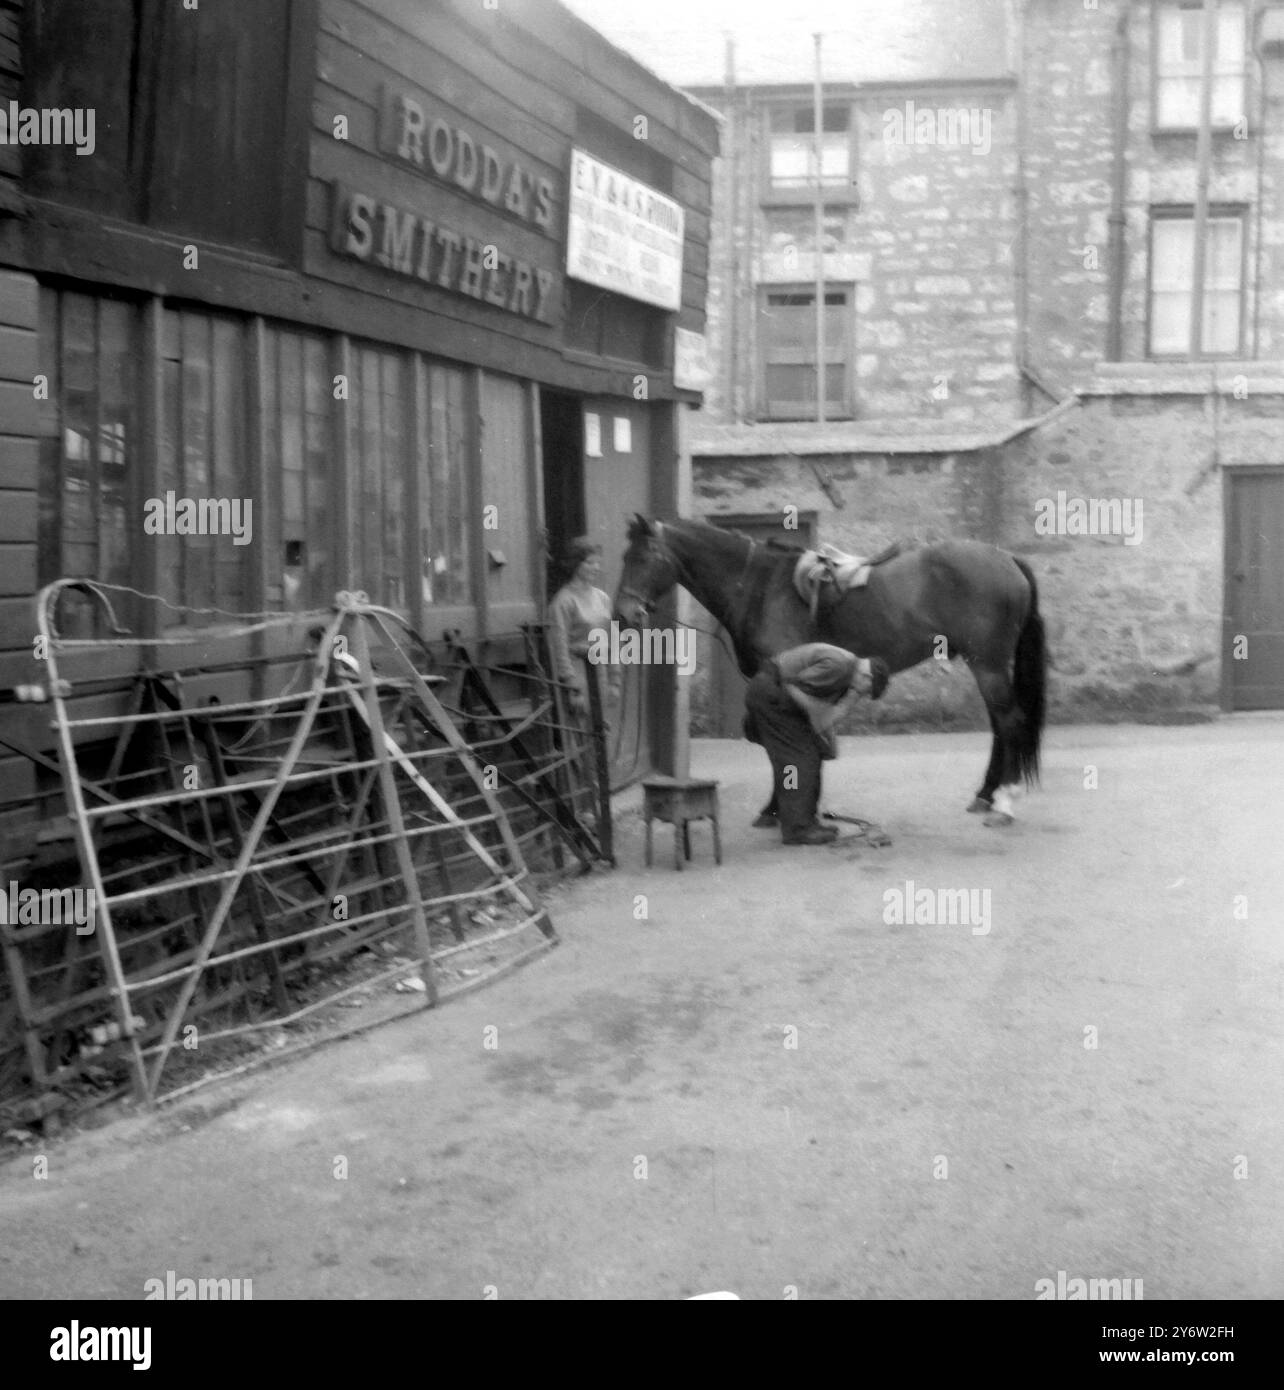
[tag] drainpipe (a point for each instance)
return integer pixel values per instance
(1203, 160)
(1263, 111)
(819, 137)
(730, 317)
(1021, 192)
(1117, 219)
(1028, 376)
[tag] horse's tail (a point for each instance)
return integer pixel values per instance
(1030, 682)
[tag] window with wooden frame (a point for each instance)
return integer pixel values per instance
(790, 172)
(93, 501)
(303, 527)
(377, 449)
(95, 476)
(1178, 64)
(203, 460)
(787, 352)
(446, 538)
(87, 518)
(1171, 297)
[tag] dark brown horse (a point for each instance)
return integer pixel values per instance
(955, 598)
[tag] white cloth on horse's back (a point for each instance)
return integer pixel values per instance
(829, 565)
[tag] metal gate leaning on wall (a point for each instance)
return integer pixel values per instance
(349, 460)
(363, 837)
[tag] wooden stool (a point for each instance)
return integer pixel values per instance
(678, 801)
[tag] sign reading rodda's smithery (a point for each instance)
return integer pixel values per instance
(479, 258)
(439, 145)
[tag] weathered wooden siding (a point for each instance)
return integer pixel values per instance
(10, 82)
(21, 423)
(512, 585)
(442, 412)
(532, 82)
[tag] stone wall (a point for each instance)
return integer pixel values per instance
(932, 248)
(1133, 617)
(936, 318)
(927, 253)
(1137, 626)
(1070, 96)
(914, 498)
(934, 251)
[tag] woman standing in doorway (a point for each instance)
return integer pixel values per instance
(578, 608)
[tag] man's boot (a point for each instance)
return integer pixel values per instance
(812, 835)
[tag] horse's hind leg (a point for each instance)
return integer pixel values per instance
(983, 801)
(1002, 777)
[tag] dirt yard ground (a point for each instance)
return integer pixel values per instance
(746, 1078)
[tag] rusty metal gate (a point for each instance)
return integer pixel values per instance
(265, 873)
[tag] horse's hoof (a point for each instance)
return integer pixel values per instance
(766, 822)
(997, 819)
(980, 806)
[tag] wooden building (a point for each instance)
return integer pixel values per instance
(403, 277)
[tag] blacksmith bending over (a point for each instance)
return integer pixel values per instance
(791, 707)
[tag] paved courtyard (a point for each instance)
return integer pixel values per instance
(748, 1078)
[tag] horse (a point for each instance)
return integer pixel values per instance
(952, 598)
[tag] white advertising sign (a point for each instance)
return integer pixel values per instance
(690, 360)
(623, 235)
(592, 435)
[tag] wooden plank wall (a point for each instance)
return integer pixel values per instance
(529, 78)
(10, 85)
(516, 78)
(21, 424)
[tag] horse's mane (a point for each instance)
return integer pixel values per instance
(764, 569)
(768, 567)
(639, 528)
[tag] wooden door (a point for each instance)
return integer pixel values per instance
(617, 482)
(1253, 646)
(513, 590)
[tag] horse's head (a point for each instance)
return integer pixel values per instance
(647, 575)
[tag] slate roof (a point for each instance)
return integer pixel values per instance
(708, 440)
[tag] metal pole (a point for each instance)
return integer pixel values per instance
(818, 137)
(1203, 159)
(733, 136)
(1117, 220)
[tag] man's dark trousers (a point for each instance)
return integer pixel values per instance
(773, 720)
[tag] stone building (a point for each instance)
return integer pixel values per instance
(1008, 247)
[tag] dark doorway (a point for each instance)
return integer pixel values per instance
(1253, 650)
(561, 419)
